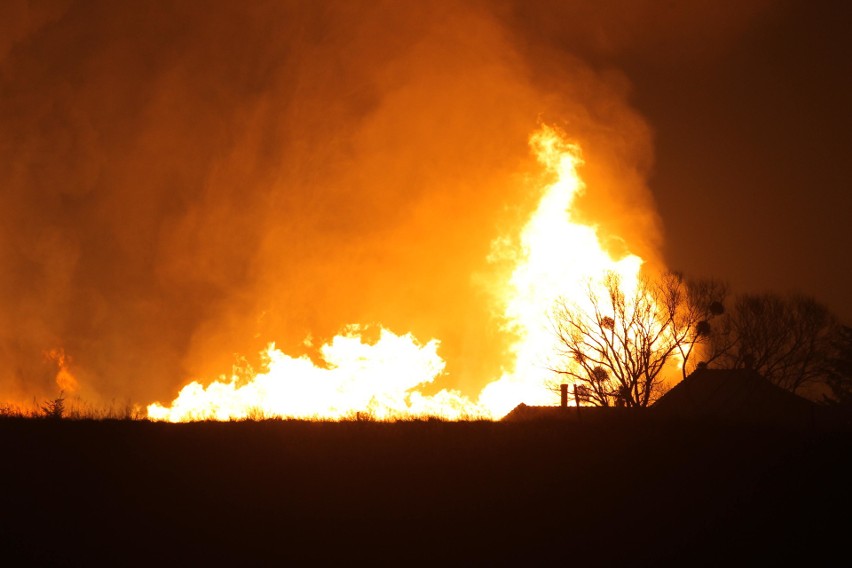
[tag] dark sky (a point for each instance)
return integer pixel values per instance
(753, 176)
(183, 182)
(749, 103)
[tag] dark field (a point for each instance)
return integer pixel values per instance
(642, 493)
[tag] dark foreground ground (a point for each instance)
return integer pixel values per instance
(123, 493)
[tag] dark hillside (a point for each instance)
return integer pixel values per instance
(419, 493)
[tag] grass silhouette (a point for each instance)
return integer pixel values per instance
(88, 491)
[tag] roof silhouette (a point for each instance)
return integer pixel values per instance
(524, 412)
(735, 395)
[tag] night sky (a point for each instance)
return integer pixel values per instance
(182, 183)
(753, 175)
(752, 128)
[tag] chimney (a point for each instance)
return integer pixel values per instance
(563, 390)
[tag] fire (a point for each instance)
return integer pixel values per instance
(65, 380)
(553, 256)
(379, 380)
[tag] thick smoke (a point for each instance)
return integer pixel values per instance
(183, 182)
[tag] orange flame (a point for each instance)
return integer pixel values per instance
(65, 380)
(380, 380)
(554, 256)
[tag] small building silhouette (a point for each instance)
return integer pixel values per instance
(739, 396)
(565, 413)
(588, 414)
(726, 396)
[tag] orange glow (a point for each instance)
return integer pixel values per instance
(65, 380)
(556, 257)
(553, 256)
(379, 380)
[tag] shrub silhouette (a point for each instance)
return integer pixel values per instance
(54, 409)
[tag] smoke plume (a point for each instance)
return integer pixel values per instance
(184, 182)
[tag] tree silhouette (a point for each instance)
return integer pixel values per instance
(697, 315)
(787, 339)
(616, 342)
(839, 369)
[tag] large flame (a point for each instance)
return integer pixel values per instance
(554, 256)
(378, 380)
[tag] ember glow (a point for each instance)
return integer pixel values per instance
(552, 256)
(65, 380)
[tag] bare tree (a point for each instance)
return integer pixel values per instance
(839, 372)
(697, 314)
(617, 341)
(786, 339)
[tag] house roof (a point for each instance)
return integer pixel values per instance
(731, 395)
(739, 395)
(524, 412)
